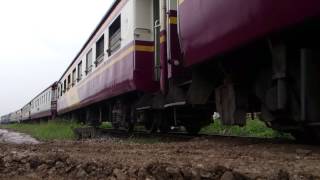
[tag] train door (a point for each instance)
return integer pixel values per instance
(157, 26)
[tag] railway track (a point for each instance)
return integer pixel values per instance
(182, 136)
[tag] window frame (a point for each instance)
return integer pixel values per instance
(100, 50)
(68, 82)
(114, 33)
(73, 78)
(89, 67)
(64, 86)
(79, 74)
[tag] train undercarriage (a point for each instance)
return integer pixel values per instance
(277, 76)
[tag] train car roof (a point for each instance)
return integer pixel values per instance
(53, 84)
(105, 17)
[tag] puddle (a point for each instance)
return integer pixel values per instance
(16, 138)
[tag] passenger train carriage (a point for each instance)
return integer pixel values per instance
(5, 119)
(15, 117)
(26, 112)
(43, 106)
(116, 61)
(167, 63)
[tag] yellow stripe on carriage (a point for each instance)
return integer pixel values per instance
(144, 48)
(118, 57)
(173, 20)
(162, 39)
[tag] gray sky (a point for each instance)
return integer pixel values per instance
(38, 40)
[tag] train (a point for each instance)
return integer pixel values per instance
(41, 107)
(171, 63)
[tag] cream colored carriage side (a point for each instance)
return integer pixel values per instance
(43, 106)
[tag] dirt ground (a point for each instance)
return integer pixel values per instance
(218, 158)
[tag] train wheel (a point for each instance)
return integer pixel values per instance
(310, 135)
(115, 126)
(193, 128)
(131, 118)
(152, 126)
(147, 118)
(164, 126)
(130, 127)
(117, 115)
(195, 118)
(157, 121)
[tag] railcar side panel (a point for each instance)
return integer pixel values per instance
(208, 28)
(126, 70)
(26, 112)
(43, 105)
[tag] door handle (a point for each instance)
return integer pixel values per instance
(156, 24)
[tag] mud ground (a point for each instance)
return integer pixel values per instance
(199, 158)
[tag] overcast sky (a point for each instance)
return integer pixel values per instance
(38, 40)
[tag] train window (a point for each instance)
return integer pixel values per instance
(79, 71)
(114, 36)
(61, 89)
(64, 86)
(69, 82)
(99, 50)
(89, 62)
(74, 77)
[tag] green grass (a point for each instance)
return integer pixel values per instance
(106, 125)
(253, 128)
(46, 131)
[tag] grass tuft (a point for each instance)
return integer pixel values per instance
(106, 125)
(253, 128)
(46, 131)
